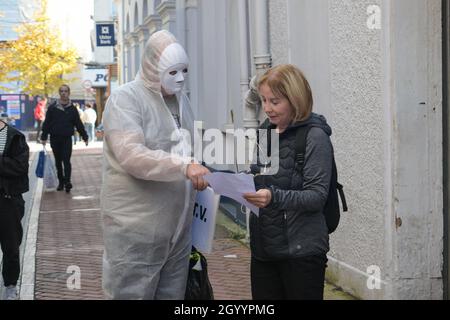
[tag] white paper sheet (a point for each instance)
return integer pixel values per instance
(233, 186)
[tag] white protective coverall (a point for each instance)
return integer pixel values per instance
(146, 198)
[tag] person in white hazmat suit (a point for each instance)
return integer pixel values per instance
(149, 178)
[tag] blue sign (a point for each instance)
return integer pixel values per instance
(105, 35)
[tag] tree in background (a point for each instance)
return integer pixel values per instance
(2, 72)
(38, 58)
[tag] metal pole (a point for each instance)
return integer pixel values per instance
(263, 58)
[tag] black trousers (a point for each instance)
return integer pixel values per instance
(294, 279)
(62, 150)
(11, 213)
(39, 130)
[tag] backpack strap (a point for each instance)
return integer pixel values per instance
(300, 147)
(340, 188)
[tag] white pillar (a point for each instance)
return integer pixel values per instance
(153, 23)
(126, 62)
(181, 21)
(132, 40)
(136, 54)
(167, 11)
(143, 35)
(119, 39)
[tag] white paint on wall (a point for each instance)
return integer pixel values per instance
(279, 31)
(358, 123)
(309, 44)
(416, 69)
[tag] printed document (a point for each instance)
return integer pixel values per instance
(233, 186)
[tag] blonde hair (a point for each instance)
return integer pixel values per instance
(288, 81)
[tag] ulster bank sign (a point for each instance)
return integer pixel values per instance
(105, 35)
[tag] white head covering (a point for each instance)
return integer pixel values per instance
(162, 52)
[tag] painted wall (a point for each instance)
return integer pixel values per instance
(369, 83)
(417, 147)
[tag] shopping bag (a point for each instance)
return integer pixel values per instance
(50, 176)
(41, 165)
(198, 286)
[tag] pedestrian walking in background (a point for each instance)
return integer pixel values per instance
(148, 192)
(289, 240)
(90, 117)
(14, 156)
(61, 119)
(39, 116)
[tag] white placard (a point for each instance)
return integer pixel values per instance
(204, 220)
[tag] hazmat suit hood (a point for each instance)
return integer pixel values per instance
(162, 54)
(146, 199)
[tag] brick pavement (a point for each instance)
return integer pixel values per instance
(229, 269)
(70, 235)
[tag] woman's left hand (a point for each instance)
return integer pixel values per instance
(260, 199)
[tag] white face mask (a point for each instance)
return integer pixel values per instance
(172, 80)
(172, 68)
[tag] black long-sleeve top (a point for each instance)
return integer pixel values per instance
(60, 121)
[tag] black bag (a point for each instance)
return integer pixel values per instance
(198, 286)
(331, 209)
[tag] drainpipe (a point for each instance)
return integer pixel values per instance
(249, 116)
(250, 120)
(262, 59)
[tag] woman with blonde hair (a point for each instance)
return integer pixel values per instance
(289, 239)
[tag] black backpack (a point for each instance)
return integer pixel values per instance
(331, 209)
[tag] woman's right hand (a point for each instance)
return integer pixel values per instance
(195, 173)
